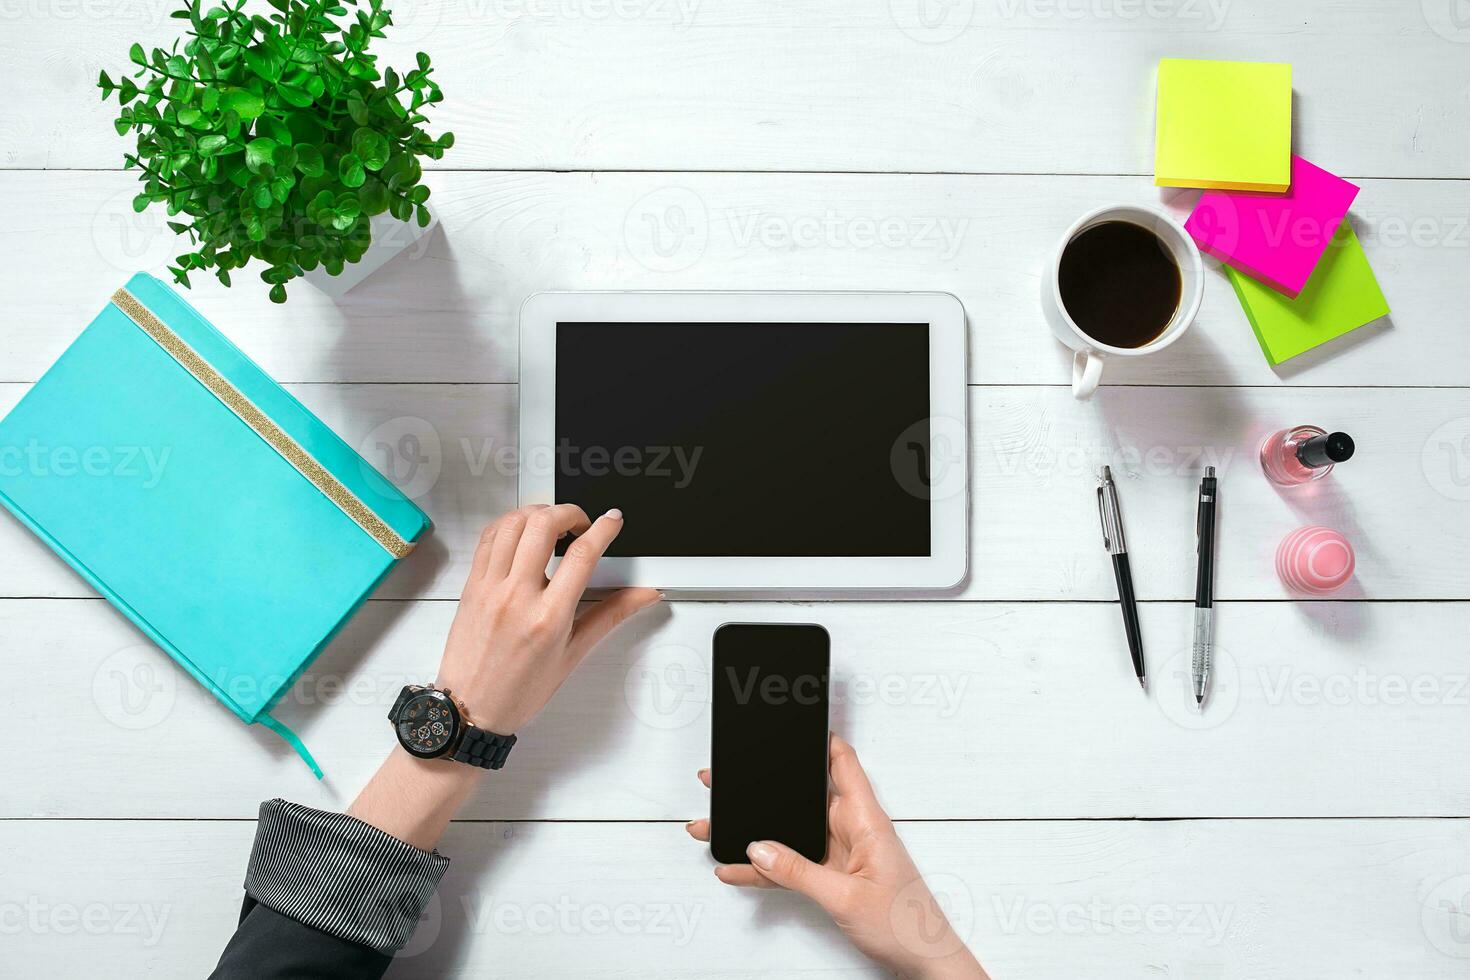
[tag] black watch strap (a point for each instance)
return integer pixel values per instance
(409, 690)
(484, 749)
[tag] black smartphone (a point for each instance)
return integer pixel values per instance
(768, 752)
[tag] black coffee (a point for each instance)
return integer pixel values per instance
(1119, 284)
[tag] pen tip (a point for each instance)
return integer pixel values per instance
(1143, 683)
(1199, 702)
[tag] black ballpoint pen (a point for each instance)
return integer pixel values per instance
(1113, 540)
(1204, 587)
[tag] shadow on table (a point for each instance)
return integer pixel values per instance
(303, 707)
(1215, 415)
(427, 275)
(1336, 347)
(1328, 503)
(423, 280)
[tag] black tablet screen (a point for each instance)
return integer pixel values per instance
(747, 439)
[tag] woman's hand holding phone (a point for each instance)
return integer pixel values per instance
(868, 883)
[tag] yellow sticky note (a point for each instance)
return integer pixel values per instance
(1224, 125)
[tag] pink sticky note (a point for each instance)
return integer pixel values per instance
(1276, 238)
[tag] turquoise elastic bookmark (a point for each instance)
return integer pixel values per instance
(293, 740)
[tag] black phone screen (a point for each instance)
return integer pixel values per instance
(768, 753)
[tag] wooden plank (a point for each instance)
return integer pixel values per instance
(1035, 899)
(1035, 452)
(1015, 86)
(960, 710)
(449, 310)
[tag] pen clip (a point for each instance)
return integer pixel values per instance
(1206, 495)
(1103, 518)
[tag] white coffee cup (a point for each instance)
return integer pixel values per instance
(1091, 354)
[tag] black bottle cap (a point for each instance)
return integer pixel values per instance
(1319, 451)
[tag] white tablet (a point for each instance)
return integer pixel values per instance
(794, 441)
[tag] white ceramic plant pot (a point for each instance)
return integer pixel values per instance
(390, 237)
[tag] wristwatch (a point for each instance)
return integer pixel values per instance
(433, 724)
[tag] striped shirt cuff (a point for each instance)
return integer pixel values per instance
(341, 876)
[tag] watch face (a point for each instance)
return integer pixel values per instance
(427, 724)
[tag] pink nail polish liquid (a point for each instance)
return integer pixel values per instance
(1302, 454)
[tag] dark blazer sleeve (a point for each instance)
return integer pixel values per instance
(269, 946)
(326, 895)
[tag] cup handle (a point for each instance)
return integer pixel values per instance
(1086, 373)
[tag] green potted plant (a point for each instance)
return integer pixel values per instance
(277, 137)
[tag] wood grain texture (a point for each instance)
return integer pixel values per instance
(1186, 899)
(958, 709)
(1403, 500)
(1013, 86)
(448, 310)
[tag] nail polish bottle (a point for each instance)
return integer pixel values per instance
(1303, 453)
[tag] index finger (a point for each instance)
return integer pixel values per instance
(543, 529)
(577, 565)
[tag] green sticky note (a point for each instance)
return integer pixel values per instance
(1223, 125)
(1341, 296)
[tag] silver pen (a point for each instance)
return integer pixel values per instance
(1117, 548)
(1204, 587)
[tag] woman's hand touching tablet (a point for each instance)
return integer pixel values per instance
(517, 635)
(516, 638)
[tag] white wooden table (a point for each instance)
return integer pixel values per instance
(1311, 824)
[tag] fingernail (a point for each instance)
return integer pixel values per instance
(762, 855)
(614, 515)
(662, 597)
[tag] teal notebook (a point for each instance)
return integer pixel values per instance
(253, 534)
